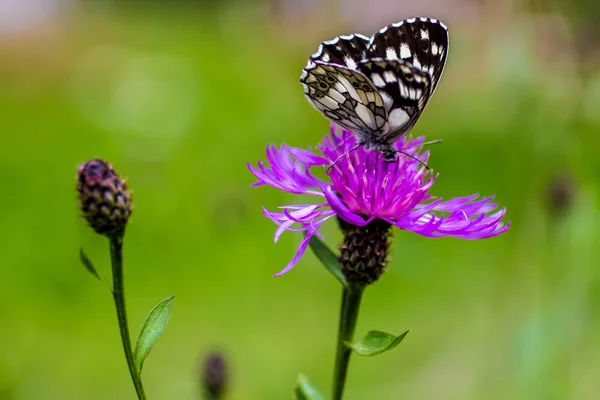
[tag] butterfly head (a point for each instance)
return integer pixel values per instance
(375, 143)
(389, 155)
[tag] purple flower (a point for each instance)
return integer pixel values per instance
(363, 187)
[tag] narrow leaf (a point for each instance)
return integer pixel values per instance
(376, 342)
(327, 258)
(153, 327)
(87, 263)
(306, 391)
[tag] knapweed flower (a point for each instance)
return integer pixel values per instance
(369, 195)
(104, 199)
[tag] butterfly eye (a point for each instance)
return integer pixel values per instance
(330, 79)
(356, 85)
(323, 86)
(366, 87)
(318, 95)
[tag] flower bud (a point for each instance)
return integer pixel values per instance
(560, 193)
(214, 376)
(104, 199)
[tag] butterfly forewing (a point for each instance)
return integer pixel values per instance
(344, 50)
(345, 96)
(423, 42)
(404, 90)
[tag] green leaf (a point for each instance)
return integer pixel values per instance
(87, 263)
(306, 391)
(376, 342)
(327, 258)
(153, 327)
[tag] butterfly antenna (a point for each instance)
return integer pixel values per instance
(340, 157)
(414, 158)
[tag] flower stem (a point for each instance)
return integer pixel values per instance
(116, 258)
(351, 296)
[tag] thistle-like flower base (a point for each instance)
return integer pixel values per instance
(364, 252)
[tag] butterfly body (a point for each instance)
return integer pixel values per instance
(378, 87)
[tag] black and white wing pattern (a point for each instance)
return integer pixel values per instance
(344, 96)
(423, 42)
(377, 88)
(346, 50)
(404, 89)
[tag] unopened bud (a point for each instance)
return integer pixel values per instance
(104, 199)
(560, 194)
(214, 376)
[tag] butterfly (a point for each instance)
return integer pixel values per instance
(378, 87)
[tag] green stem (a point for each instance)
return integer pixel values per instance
(116, 258)
(351, 296)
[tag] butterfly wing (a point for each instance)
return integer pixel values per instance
(346, 50)
(346, 97)
(377, 88)
(404, 90)
(422, 42)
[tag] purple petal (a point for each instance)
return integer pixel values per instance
(311, 229)
(286, 173)
(299, 253)
(468, 219)
(340, 208)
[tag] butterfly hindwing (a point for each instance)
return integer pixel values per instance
(422, 42)
(346, 50)
(404, 90)
(345, 96)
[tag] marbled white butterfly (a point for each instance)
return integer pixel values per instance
(378, 87)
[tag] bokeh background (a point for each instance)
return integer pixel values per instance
(181, 95)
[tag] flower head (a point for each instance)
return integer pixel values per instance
(104, 199)
(362, 188)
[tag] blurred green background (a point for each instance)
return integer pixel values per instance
(180, 96)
